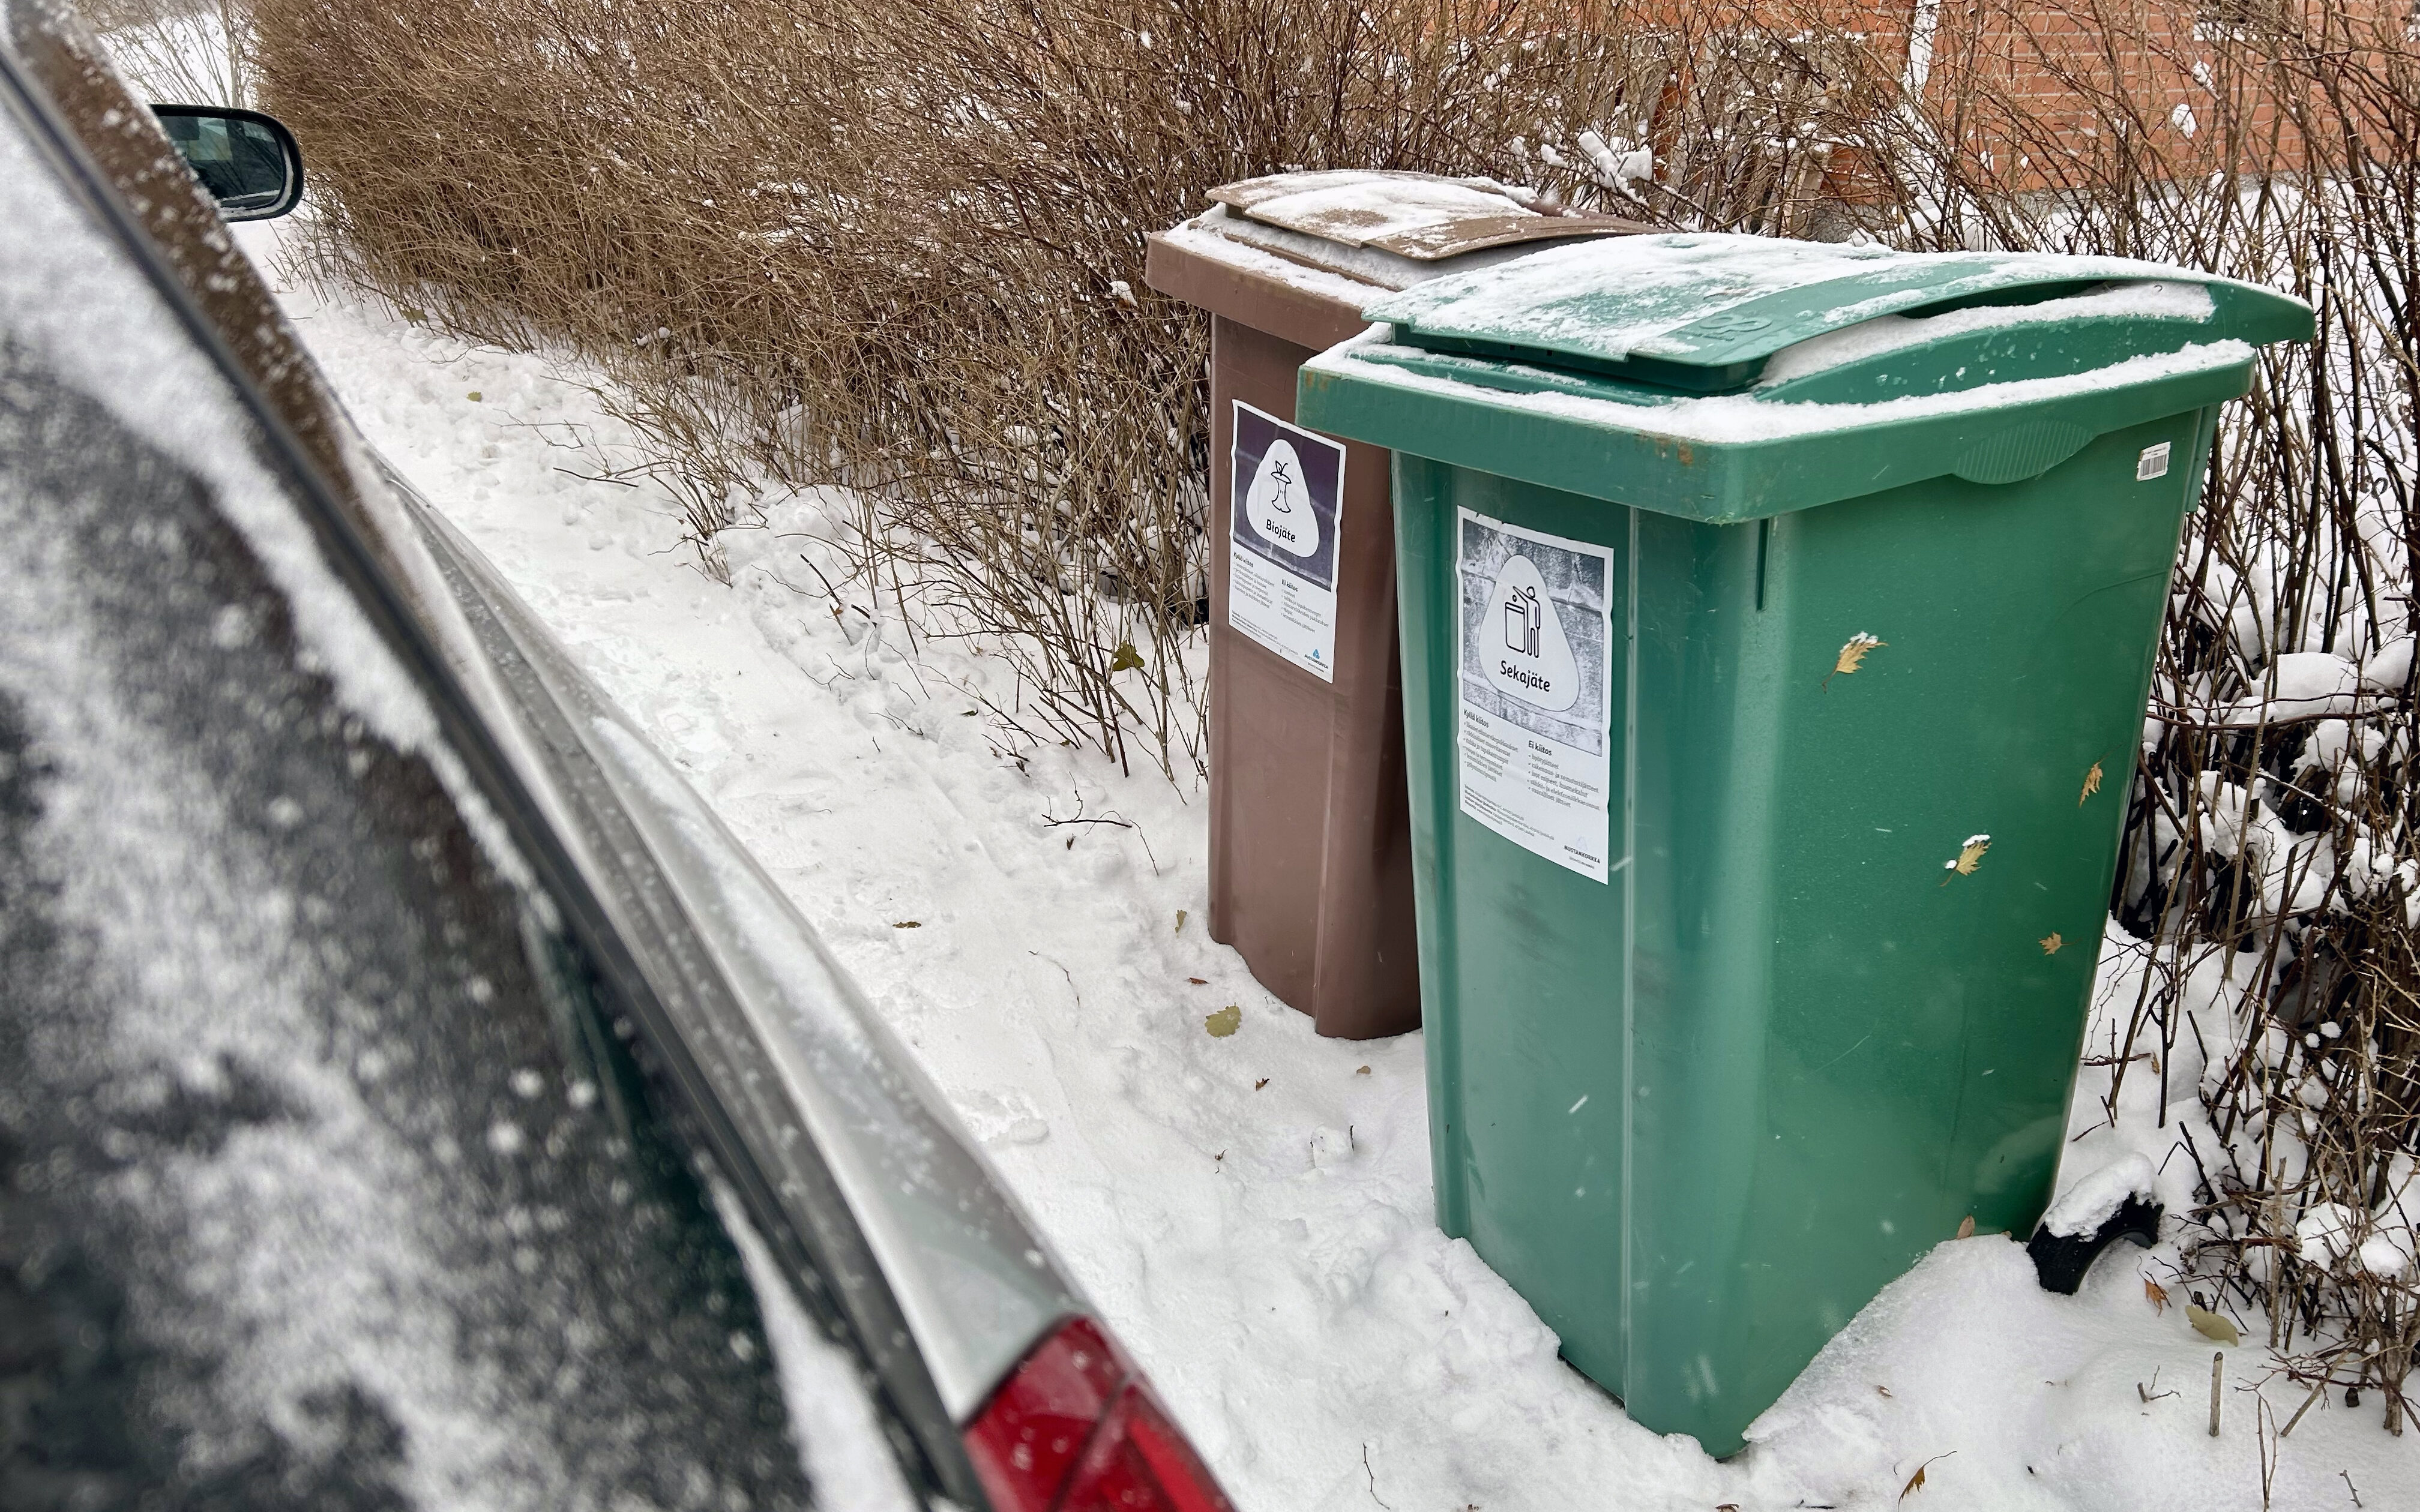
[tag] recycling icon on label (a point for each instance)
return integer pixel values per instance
(1277, 506)
(1531, 659)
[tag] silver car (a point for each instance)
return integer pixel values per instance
(410, 1094)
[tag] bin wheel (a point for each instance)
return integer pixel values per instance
(2061, 1261)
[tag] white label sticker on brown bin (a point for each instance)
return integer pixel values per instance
(1288, 507)
(1535, 738)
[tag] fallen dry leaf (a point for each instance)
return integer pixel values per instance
(1224, 1022)
(2051, 942)
(1258, 1084)
(2156, 1294)
(2091, 784)
(2209, 1325)
(1915, 1482)
(1199, 981)
(1966, 1226)
(474, 396)
(1885, 1390)
(1126, 658)
(1970, 856)
(1179, 922)
(1853, 656)
(908, 923)
(1362, 1072)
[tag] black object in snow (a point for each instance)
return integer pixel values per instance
(2061, 1261)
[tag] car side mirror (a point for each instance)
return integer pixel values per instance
(247, 160)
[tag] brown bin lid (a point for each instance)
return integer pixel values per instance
(1415, 215)
(1292, 254)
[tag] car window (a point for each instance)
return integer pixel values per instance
(328, 1175)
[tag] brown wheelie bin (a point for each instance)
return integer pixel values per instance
(1310, 869)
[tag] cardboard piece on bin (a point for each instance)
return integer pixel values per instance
(1419, 216)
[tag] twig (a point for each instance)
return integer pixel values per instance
(2178, 719)
(2317, 1391)
(597, 477)
(1050, 822)
(2271, 1448)
(1073, 990)
(1374, 1478)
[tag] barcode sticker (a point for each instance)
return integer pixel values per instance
(2153, 463)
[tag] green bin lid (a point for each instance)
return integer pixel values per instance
(1705, 313)
(1769, 375)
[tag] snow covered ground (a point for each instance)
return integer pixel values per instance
(1251, 1214)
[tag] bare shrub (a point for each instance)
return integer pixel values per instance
(901, 249)
(179, 52)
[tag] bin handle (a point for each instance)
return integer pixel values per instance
(2023, 452)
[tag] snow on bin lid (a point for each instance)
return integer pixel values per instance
(1414, 215)
(1704, 312)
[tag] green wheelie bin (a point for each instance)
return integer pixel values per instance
(1776, 623)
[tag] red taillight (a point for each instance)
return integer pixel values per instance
(1076, 1429)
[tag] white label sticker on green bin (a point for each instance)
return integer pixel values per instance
(1535, 738)
(1288, 508)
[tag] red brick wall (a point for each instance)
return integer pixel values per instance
(2027, 82)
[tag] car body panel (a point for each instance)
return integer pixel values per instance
(972, 1277)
